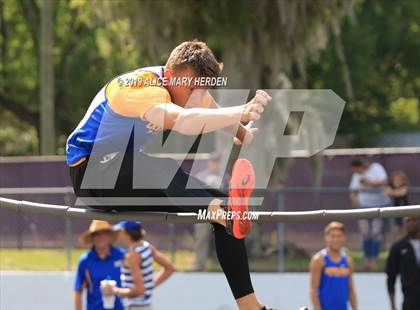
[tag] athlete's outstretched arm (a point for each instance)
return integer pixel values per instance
(201, 120)
(243, 133)
(239, 130)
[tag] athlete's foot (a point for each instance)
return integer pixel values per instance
(241, 186)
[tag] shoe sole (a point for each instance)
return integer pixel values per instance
(242, 185)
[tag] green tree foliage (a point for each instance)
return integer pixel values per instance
(382, 46)
(88, 51)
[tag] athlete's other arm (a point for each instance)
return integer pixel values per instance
(133, 261)
(168, 267)
(315, 268)
(243, 133)
(352, 292)
(195, 121)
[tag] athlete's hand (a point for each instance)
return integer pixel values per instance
(249, 136)
(253, 109)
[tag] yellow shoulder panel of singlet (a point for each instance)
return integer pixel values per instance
(128, 95)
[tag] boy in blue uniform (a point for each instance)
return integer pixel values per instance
(331, 273)
(110, 166)
(102, 262)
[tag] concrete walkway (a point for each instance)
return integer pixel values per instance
(53, 290)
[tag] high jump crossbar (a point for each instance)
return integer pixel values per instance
(168, 217)
(257, 192)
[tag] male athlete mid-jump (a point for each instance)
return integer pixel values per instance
(126, 115)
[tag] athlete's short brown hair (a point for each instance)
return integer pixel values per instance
(334, 226)
(196, 55)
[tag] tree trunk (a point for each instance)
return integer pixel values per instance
(338, 43)
(47, 123)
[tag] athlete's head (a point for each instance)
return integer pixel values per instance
(335, 236)
(190, 59)
(359, 165)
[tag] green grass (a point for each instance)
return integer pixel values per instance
(55, 260)
(36, 259)
(358, 260)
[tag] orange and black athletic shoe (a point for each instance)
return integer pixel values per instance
(242, 184)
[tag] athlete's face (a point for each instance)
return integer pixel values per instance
(180, 94)
(335, 239)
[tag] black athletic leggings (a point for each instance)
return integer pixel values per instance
(231, 252)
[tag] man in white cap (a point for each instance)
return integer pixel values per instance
(101, 262)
